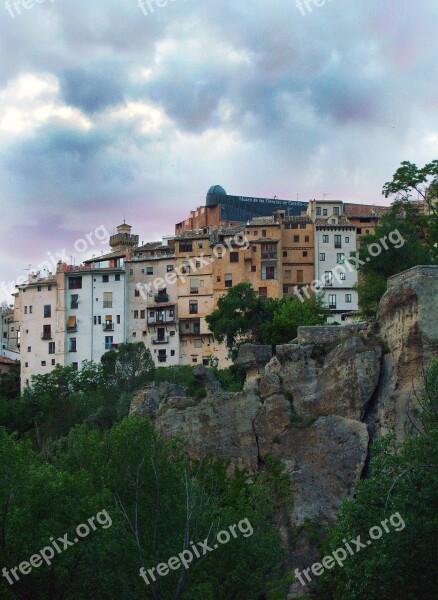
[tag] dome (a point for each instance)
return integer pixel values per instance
(214, 193)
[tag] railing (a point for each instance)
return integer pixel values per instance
(161, 298)
(338, 245)
(163, 340)
(72, 329)
(46, 336)
(107, 304)
(108, 327)
(269, 255)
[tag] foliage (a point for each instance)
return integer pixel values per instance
(128, 368)
(403, 478)
(181, 375)
(243, 316)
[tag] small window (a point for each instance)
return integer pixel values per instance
(336, 210)
(149, 270)
(359, 230)
(263, 291)
(234, 257)
(131, 271)
(340, 258)
(172, 353)
(75, 366)
(284, 253)
(29, 348)
(136, 292)
(72, 345)
(74, 301)
(30, 310)
(325, 239)
(169, 268)
(318, 210)
(25, 310)
(263, 232)
(117, 277)
(105, 278)
(322, 256)
(307, 238)
(253, 269)
(75, 283)
(43, 363)
(305, 253)
(325, 212)
(53, 361)
(347, 240)
(296, 239)
(300, 276)
(342, 276)
(39, 288)
(51, 347)
(142, 314)
(228, 280)
(348, 298)
(198, 344)
(107, 300)
(218, 279)
(47, 311)
(26, 364)
(193, 307)
(135, 314)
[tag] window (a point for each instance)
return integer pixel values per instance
(347, 240)
(99, 320)
(296, 238)
(256, 231)
(47, 332)
(39, 288)
(324, 212)
(338, 241)
(105, 278)
(284, 253)
(307, 238)
(26, 365)
(325, 239)
(359, 230)
(253, 269)
(108, 342)
(25, 310)
(30, 310)
(305, 253)
(75, 283)
(185, 246)
(285, 289)
(328, 278)
(268, 272)
(169, 268)
(43, 363)
(200, 245)
(193, 307)
(333, 221)
(263, 292)
(336, 210)
(340, 258)
(348, 298)
(72, 345)
(107, 300)
(149, 270)
(367, 230)
(194, 285)
(342, 276)
(49, 288)
(51, 347)
(53, 361)
(318, 210)
(75, 366)
(135, 314)
(228, 280)
(218, 279)
(263, 232)
(288, 273)
(131, 271)
(136, 292)
(117, 277)
(74, 301)
(162, 356)
(142, 314)
(332, 300)
(234, 257)
(47, 311)
(322, 256)
(300, 276)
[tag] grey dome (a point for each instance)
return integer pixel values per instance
(214, 193)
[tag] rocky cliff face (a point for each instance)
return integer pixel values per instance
(316, 403)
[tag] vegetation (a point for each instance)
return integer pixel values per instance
(243, 316)
(415, 234)
(403, 479)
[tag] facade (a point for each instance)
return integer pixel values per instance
(223, 209)
(9, 335)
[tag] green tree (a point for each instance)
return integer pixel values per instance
(289, 314)
(239, 316)
(128, 368)
(403, 479)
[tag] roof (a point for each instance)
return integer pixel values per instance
(148, 246)
(299, 219)
(115, 254)
(50, 280)
(341, 221)
(264, 221)
(364, 210)
(7, 361)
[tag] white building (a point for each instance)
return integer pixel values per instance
(335, 239)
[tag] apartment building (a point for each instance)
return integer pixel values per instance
(9, 335)
(153, 303)
(335, 240)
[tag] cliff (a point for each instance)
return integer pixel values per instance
(317, 403)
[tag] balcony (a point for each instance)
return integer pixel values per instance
(161, 340)
(190, 327)
(161, 297)
(72, 329)
(46, 335)
(269, 255)
(108, 327)
(338, 245)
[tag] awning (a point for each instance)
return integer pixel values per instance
(71, 322)
(108, 318)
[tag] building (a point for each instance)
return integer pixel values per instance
(10, 343)
(223, 209)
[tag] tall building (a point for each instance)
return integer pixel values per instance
(222, 209)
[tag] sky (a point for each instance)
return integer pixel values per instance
(132, 109)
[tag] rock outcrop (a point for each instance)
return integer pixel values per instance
(316, 403)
